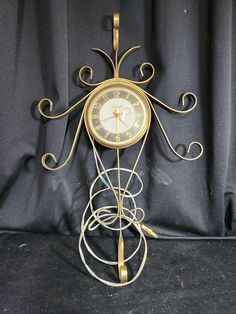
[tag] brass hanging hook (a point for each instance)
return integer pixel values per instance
(116, 26)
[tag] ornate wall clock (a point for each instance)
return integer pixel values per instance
(117, 114)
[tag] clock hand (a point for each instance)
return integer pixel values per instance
(122, 121)
(117, 120)
(109, 118)
(114, 116)
(117, 115)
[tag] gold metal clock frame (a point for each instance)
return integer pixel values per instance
(117, 216)
(118, 83)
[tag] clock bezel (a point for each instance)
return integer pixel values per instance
(134, 89)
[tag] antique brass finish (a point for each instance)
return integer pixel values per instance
(112, 215)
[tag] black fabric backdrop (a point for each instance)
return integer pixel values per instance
(181, 277)
(192, 46)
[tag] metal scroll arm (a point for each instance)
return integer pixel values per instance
(89, 70)
(170, 109)
(116, 64)
(45, 102)
(48, 156)
(145, 65)
(169, 143)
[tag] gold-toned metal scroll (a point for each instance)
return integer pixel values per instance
(108, 216)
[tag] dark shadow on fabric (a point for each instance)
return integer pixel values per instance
(206, 53)
(107, 23)
(20, 16)
(151, 43)
(230, 216)
(10, 183)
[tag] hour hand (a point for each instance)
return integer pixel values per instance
(108, 118)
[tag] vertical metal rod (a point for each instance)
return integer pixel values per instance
(122, 269)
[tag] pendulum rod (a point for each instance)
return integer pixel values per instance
(148, 230)
(122, 269)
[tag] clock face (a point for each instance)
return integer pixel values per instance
(117, 115)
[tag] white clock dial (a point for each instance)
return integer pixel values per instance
(117, 115)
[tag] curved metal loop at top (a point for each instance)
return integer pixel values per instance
(116, 26)
(104, 54)
(125, 55)
(89, 70)
(169, 143)
(183, 98)
(141, 68)
(46, 102)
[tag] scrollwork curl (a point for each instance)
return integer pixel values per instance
(48, 156)
(104, 54)
(171, 146)
(89, 70)
(125, 55)
(141, 68)
(170, 109)
(43, 103)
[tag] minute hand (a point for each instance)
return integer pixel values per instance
(118, 116)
